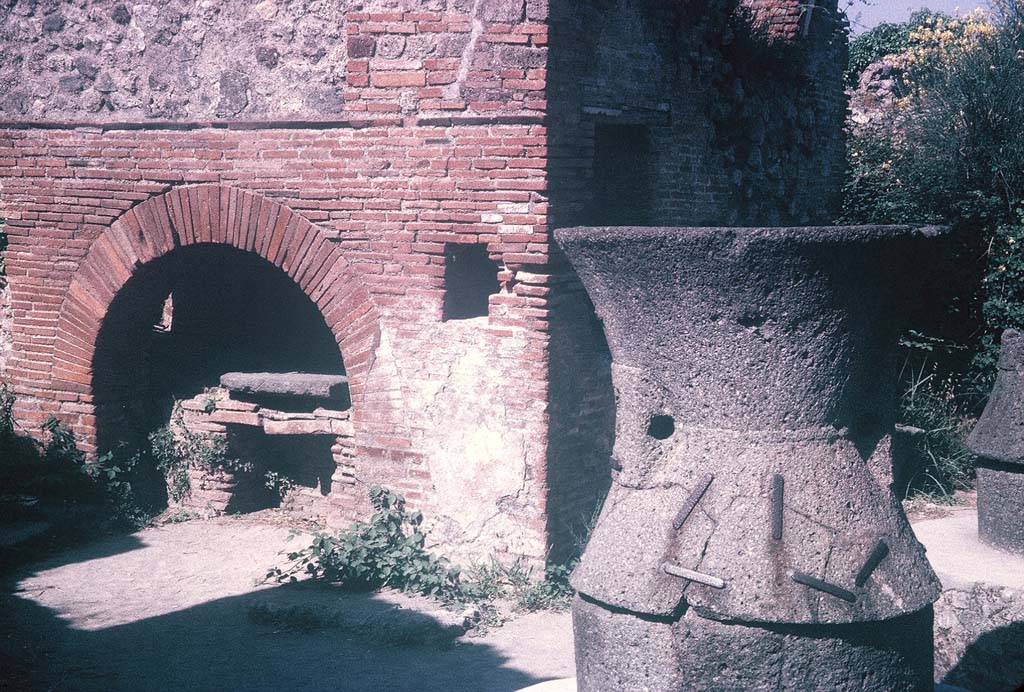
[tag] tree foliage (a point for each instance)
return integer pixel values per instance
(942, 141)
(949, 148)
(873, 45)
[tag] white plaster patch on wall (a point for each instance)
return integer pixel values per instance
(479, 456)
(476, 458)
(6, 318)
(454, 90)
(6, 323)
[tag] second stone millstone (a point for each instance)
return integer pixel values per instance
(998, 440)
(750, 540)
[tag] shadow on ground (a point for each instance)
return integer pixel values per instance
(993, 663)
(60, 551)
(216, 647)
(76, 641)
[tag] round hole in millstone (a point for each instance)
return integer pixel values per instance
(661, 427)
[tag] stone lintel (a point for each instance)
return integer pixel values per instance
(294, 384)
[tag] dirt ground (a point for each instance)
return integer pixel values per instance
(185, 607)
(171, 608)
(921, 509)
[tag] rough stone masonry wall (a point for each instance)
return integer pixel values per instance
(978, 631)
(742, 102)
(187, 60)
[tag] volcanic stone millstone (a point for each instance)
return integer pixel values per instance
(1001, 506)
(618, 650)
(998, 439)
(766, 349)
(999, 434)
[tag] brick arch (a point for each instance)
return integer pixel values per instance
(204, 214)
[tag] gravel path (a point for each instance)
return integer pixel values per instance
(169, 609)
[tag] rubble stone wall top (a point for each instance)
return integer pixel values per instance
(101, 60)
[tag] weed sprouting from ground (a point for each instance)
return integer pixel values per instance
(388, 551)
(517, 583)
(55, 483)
(280, 484)
(941, 462)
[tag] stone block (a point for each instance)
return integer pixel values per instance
(361, 46)
(331, 413)
(979, 619)
(294, 384)
(235, 417)
(309, 426)
(342, 428)
(505, 11)
(998, 439)
(233, 405)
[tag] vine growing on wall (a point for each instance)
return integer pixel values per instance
(176, 450)
(6, 415)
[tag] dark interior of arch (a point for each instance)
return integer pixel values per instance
(229, 310)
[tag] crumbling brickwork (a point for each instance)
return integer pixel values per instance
(349, 147)
(6, 326)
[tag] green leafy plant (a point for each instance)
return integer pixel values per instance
(949, 148)
(942, 464)
(388, 551)
(66, 474)
(278, 483)
(171, 463)
(552, 593)
(56, 482)
(873, 45)
(6, 414)
(176, 450)
(885, 40)
(1004, 294)
(517, 582)
(180, 516)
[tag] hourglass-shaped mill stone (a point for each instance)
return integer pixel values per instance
(750, 539)
(998, 440)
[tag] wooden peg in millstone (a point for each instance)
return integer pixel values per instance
(998, 440)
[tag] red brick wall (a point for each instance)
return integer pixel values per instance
(384, 200)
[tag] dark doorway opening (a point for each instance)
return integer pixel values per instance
(622, 176)
(230, 310)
